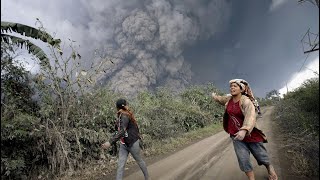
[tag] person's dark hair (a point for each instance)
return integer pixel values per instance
(121, 103)
(240, 86)
(243, 93)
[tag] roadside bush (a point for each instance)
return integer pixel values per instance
(54, 122)
(53, 150)
(298, 118)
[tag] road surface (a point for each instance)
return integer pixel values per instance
(212, 158)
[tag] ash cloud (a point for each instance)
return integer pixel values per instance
(144, 39)
(150, 41)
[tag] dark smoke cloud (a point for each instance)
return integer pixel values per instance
(143, 44)
(151, 38)
(144, 39)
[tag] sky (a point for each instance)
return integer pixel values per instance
(177, 43)
(311, 70)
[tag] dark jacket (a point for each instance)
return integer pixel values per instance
(128, 130)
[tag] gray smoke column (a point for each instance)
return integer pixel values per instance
(149, 38)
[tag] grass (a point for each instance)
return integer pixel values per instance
(301, 151)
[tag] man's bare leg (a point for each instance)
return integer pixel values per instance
(250, 175)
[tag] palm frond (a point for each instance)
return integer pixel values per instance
(33, 49)
(29, 32)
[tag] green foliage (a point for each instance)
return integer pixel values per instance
(63, 130)
(15, 85)
(301, 107)
(9, 27)
(298, 117)
(19, 119)
(29, 32)
(33, 49)
(164, 114)
(19, 136)
(160, 116)
(307, 96)
(201, 96)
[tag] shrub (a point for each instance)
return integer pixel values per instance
(298, 117)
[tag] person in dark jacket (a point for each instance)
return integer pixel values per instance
(128, 134)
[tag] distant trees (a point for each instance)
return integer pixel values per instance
(273, 95)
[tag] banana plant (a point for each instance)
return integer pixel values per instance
(7, 28)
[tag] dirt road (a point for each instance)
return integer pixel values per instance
(212, 158)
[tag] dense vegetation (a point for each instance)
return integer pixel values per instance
(53, 123)
(298, 117)
(36, 139)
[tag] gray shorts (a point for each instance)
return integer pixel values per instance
(243, 150)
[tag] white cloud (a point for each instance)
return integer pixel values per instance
(298, 78)
(275, 4)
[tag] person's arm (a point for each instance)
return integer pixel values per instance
(220, 99)
(249, 116)
(124, 121)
